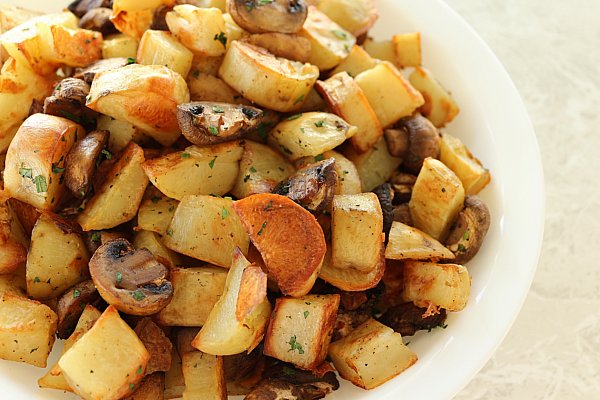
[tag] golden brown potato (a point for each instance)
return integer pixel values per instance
(406, 242)
(35, 160)
(11, 16)
(72, 47)
(206, 87)
(155, 214)
(13, 239)
(300, 329)
(57, 258)
(27, 330)
(292, 47)
(161, 48)
(13, 283)
(407, 47)
(275, 83)
(144, 95)
(174, 381)
(119, 197)
(207, 228)
(204, 378)
(120, 45)
(456, 156)
(357, 61)
(440, 108)
(107, 362)
(202, 30)
(382, 50)
(195, 292)
(121, 133)
(157, 343)
(285, 234)
(356, 16)
(351, 279)
(134, 17)
(371, 355)
(153, 242)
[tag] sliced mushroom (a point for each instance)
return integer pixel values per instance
(37, 107)
(131, 280)
(397, 141)
(98, 19)
(71, 304)
(81, 7)
(259, 16)
(292, 47)
(402, 183)
(407, 319)
(313, 186)
(80, 163)
(467, 234)
(423, 141)
(205, 123)
(401, 213)
(385, 195)
(88, 73)
(68, 101)
(157, 344)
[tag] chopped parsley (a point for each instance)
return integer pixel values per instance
(119, 277)
(299, 99)
(76, 293)
(262, 228)
(319, 157)
(465, 235)
(40, 184)
(213, 130)
(339, 34)
(252, 169)
(107, 154)
(221, 37)
(294, 345)
(224, 213)
(95, 237)
(25, 172)
(138, 295)
(185, 155)
(320, 124)
(461, 247)
(56, 169)
(268, 206)
(140, 370)
(211, 163)
(293, 117)
(218, 109)
(306, 314)
(170, 232)
(131, 386)
(130, 60)
(37, 279)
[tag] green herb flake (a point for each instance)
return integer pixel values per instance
(213, 130)
(252, 169)
(224, 213)
(466, 235)
(170, 232)
(268, 206)
(119, 277)
(185, 155)
(262, 228)
(299, 99)
(320, 124)
(131, 387)
(155, 199)
(294, 345)
(461, 247)
(138, 295)
(107, 154)
(25, 172)
(319, 157)
(293, 117)
(218, 110)
(40, 184)
(306, 314)
(339, 34)
(37, 279)
(264, 2)
(221, 37)
(56, 169)
(140, 370)
(95, 237)
(76, 293)
(130, 60)
(211, 163)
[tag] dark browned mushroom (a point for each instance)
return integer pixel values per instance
(292, 47)
(402, 183)
(157, 344)
(68, 101)
(423, 141)
(259, 16)
(88, 73)
(159, 22)
(81, 7)
(131, 280)
(407, 319)
(80, 163)
(313, 186)
(468, 231)
(240, 366)
(98, 19)
(37, 107)
(205, 123)
(71, 304)
(401, 213)
(385, 195)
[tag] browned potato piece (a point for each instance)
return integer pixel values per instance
(71, 304)
(258, 16)
(80, 163)
(292, 47)
(406, 242)
(204, 123)
(131, 280)
(300, 329)
(312, 187)
(13, 240)
(157, 344)
(88, 73)
(468, 231)
(356, 16)
(152, 387)
(351, 279)
(285, 234)
(440, 108)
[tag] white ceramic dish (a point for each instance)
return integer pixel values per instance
(494, 124)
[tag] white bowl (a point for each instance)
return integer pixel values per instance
(494, 124)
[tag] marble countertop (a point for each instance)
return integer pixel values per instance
(551, 50)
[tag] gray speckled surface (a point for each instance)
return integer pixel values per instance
(551, 50)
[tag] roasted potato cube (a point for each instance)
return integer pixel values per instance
(202, 30)
(196, 170)
(35, 160)
(26, 330)
(204, 378)
(232, 29)
(72, 47)
(310, 134)
(174, 381)
(119, 197)
(238, 320)
(107, 362)
(441, 285)
(329, 42)
(206, 87)
(120, 45)
(437, 198)
(357, 61)
(346, 99)
(356, 231)
(152, 241)
(407, 47)
(439, 107)
(157, 343)
(275, 83)
(300, 329)
(155, 214)
(351, 279)
(121, 133)
(11, 16)
(13, 239)
(57, 258)
(390, 95)
(161, 48)
(80, 164)
(381, 50)
(371, 355)
(375, 166)
(195, 292)
(144, 95)
(261, 169)
(19, 86)
(285, 234)
(406, 242)
(152, 387)
(356, 16)
(292, 47)
(206, 65)
(135, 17)
(456, 156)
(206, 228)
(13, 283)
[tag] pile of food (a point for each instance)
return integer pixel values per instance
(210, 198)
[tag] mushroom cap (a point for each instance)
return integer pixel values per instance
(131, 280)
(423, 141)
(260, 16)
